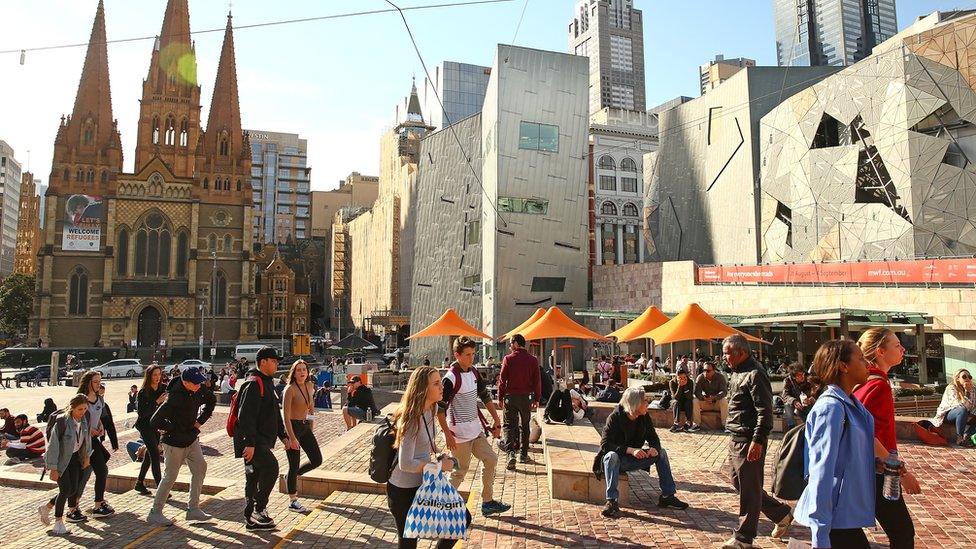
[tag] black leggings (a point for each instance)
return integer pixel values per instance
(894, 518)
(150, 437)
(400, 500)
(849, 538)
(306, 438)
(99, 466)
(69, 486)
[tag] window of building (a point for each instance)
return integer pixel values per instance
(104, 176)
(153, 247)
(212, 243)
(90, 177)
(78, 292)
(184, 133)
(66, 175)
(621, 53)
(607, 163)
(80, 175)
(279, 324)
(170, 137)
(630, 246)
(206, 183)
(238, 184)
(630, 210)
(279, 285)
(471, 281)
(155, 130)
(88, 135)
(122, 255)
(278, 304)
(628, 184)
(228, 243)
(218, 297)
(608, 208)
(628, 165)
(182, 254)
(472, 232)
(538, 137)
(608, 183)
(548, 283)
(609, 235)
(224, 147)
(523, 205)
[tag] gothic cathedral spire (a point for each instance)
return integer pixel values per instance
(88, 148)
(169, 117)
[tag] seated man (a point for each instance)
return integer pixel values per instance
(682, 394)
(628, 430)
(559, 409)
(360, 406)
(30, 445)
(610, 394)
(796, 402)
(711, 390)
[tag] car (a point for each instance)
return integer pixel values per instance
(121, 367)
(388, 357)
(38, 372)
(194, 363)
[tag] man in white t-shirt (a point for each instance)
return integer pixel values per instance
(641, 362)
(461, 421)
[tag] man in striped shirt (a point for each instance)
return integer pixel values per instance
(31, 442)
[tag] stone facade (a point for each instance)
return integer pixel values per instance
(283, 308)
(28, 227)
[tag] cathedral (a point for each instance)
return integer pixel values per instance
(161, 256)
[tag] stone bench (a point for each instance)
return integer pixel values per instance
(123, 478)
(16, 479)
(662, 419)
(905, 428)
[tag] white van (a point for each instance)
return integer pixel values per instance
(250, 352)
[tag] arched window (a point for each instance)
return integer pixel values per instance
(227, 184)
(206, 183)
(228, 243)
(91, 176)
(104, 176)
(122, 255)
(66, 176)
(78, 292)
(607, 163)
(223, 145)
(628, 165)
(182, 254)
(155, 130)
(218, 295)
(184, 133)
(212, 243)
(170, 138)
(238, 184)
(608, 208)
(153, 247)
(80, 175)
(88, 134)
(630, 210)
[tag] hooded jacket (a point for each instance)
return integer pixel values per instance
(621, 432)
(259, 420)
(180, 412)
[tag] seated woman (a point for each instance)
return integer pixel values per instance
(49, 408)
(559, 409)
(959, 405)
(580, 406)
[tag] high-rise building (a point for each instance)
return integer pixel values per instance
(831, 32)
(355, 190)
(611, 34)
(9, 207)
(715, 72)
(280, 186)
(461, 88)
(28, 226)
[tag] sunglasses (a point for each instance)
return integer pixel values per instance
(967, 377)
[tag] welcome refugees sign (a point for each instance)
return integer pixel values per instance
(82, 230)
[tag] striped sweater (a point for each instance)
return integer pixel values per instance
(34, 439)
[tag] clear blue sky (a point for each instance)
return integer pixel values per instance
(336, 82)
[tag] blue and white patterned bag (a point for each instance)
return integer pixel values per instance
(438, 510)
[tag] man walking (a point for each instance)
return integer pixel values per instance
(258, 424)
(750, 421)
(177, 418)
(460, 420)
(519, 392)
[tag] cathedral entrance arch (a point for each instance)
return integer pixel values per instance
(149, 327)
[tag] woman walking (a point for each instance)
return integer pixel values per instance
(150, 397)
(91, 386)
(839, 498)
(66, 458)
(883, 352)
(416, 423)
(299, 408)
(959, 406)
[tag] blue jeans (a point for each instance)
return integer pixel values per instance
(614, 464)
(960, 416)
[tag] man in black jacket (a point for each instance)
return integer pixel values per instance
(627, 431)
(180, 419)
(750, 421)
(360, 406)
(258, 424)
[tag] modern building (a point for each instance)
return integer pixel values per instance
(619, 140)
(508, 232)
(611, 34)
(10, 181)
(670, 104)
(702, 182)
(830, 32)
(28, 226)
(355, 190)
(280, 186)
(461, 88)
(715, 72)
(138, 258)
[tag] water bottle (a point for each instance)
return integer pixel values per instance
(891, 489)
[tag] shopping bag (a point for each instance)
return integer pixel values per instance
(438, 510)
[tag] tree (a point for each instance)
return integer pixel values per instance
(16, 300)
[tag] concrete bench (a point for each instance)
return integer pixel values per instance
(123, 478)
(905, 428)
(15, 479)
(662, 419)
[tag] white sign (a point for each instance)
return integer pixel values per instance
(133, 343)
(162, 342)
(213, 351)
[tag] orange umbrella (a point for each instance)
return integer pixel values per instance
(651, 318)
(528, 322)
(450, 324)
(694, 323)
(555, 324)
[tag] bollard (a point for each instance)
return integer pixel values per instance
(55, 370)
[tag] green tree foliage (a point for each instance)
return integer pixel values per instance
(16, 300)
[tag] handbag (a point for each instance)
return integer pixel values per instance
(438, 511)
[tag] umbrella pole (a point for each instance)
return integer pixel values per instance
(694, 355)
(652, 354)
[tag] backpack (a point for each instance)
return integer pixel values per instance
(383, 456)
(790, 476)
(456, 371)
(57, 419)
(232, 414)
(929, 433)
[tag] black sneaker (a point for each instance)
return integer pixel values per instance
(75, 516)
(686, 427)
(672, 502)
(141, 488)
(695, 428)
(524, 458)
(103, 511)
(675, 428)
(252, 524)
(611, 509)
(511, 463)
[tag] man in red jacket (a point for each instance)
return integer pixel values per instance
(519, 391)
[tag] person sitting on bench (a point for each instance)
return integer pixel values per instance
(559, 409)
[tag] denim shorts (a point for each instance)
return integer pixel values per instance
(357, 412)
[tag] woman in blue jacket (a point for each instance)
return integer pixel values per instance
(839, 498)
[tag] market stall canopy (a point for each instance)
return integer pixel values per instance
(354, 342)
(555, 324)
(450, 324)
(694, 323)
(528, 322)
(651, 318)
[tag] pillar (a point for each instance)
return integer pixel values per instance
(923, 370)
(799, 343)
(620, 244)
(640, 244)
(845, 332)
(599, 243)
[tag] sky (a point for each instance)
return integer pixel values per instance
(336, 82)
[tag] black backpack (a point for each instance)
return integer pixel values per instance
(383, 456)
(57, 418)
(790, 476)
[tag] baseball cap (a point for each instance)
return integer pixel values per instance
(267, 352)
(193, 375)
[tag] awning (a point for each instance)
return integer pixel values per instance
(651, 318)
(450, 324)
(353, 341)
(528, 322)
(555, 324)
(691, 324)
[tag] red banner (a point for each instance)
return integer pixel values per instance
(922, 271)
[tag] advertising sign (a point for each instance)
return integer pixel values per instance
(83, 216)
(921, 271)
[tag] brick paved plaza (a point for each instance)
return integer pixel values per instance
(943, 515)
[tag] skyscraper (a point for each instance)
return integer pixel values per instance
(461, 88)
(715, 72)
(9, 207)
(611, 34)
(831, 32)
(280, 186)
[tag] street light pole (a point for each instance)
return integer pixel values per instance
(214, 297)
(202, 300)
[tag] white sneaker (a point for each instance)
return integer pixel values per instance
(60, 529)
(297, 507)
(733, 543)
(44, 513)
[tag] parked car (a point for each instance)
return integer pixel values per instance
(120, 367)
(194, 363)
(388, 357)
(42, 372)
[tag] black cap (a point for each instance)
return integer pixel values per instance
(267, 352)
